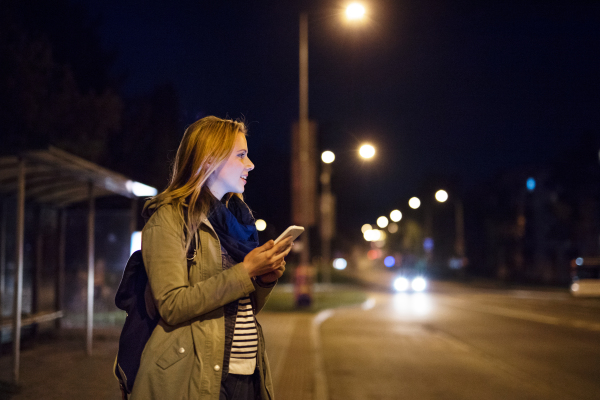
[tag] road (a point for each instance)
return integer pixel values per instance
(461, 343)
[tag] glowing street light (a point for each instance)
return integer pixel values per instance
(414, 203)
(382, 222)
(366, 227)
(261, 225)
(396, 215)
(355, 11)
(441, 196)
(327, 157)
(366, 151)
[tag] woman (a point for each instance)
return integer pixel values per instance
(207, 276)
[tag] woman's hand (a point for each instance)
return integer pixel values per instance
(274, 275)
(267, 258)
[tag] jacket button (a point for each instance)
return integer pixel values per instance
(217, 368)
(181, 350)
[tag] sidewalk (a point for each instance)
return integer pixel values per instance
(59, 368)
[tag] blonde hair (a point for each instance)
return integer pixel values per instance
(205, 145)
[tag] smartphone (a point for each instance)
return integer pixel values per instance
(293, 231)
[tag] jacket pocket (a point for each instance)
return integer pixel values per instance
(176, 351)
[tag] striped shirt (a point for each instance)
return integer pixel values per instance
(245, 340)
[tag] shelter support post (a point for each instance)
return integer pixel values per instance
(18, 280)
(3, 215)
(39, 259)
(90, 286)
(60, 265)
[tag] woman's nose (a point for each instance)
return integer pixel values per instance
(250, 165)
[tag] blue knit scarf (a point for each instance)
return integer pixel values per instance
(235, 227)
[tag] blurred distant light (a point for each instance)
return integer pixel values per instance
(575, 287)
(414, 203)
(379, 244)
(261, 225)
(389, 261)
(428, 244)
(136, 242)
(355, 11)
(396, 215)
(374, 254)
(382, 222)
(579, 261)
(372, 235)
(339, 264)
(366, 227)
(393, 227)
(530, 184)
(366, 151)
(418, 284)
(328, 157)
(401, 284)
(139, 189)
(441, 196)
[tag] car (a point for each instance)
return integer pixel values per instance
(410, 280)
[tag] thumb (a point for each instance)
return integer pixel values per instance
(269, 245)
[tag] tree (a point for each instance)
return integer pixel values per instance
(41, 101)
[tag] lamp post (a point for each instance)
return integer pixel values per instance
(327, 215)
(354, 11)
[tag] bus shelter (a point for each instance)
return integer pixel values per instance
(54, 178)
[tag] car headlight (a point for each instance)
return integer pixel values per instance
(401, 284)
(419, 284)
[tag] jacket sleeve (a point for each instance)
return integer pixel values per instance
(165, 261)
(261, 295)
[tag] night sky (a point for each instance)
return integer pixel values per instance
(463, 90)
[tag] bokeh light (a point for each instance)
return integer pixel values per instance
(414, 203)
(396, 215)
(382, 222)
(393, 227)
(441, 196)
(261, 225)
(366, 227)
(374, 254)
(339, 264)
(327, 157)
(389, 261)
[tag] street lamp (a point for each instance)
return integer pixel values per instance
(382, 222)
(328, 157)
(441, 196)
(366, 151)
(327, 214)
(353, 12)
(261, 225)
(396, 215)
(414, 203)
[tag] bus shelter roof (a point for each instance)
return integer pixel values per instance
(58, 178)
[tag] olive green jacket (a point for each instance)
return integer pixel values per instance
(183, 357)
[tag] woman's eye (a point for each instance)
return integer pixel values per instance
(242, 155)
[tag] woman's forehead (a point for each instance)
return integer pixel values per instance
(240, 142)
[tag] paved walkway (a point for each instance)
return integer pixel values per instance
(58, 368)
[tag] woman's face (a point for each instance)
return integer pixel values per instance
(230, 176)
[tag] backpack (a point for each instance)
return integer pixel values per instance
(138, 325)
